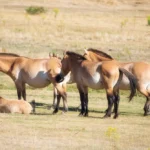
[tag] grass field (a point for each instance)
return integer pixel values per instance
(120, 28)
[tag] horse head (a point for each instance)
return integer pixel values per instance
(96, 55)
(65, 63)
(87, 55)
(55, 69)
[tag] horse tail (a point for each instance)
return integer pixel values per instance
(116, 87)
(132, 79)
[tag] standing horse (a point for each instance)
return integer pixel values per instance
(141, 70)
(97, 76)
(37, 73)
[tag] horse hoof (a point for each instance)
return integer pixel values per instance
(106, 116)
(63, 112)
(86, 115)
(66, 110)
(80, 114)
(55, 111)
(106, 111)
(115, 116)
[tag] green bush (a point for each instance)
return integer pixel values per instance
(148, 20)
(56, 12)
(33, 10)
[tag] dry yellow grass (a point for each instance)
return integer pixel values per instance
(78, 25)
(120, 28)
(68, 131)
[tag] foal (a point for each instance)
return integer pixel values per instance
(141, 70)
(97, 76)
(15, 106)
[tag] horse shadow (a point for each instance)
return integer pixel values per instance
(50, 107)
(77, 109)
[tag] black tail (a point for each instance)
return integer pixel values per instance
(132, 79)
(133, 82)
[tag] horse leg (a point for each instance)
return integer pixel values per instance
(82, 104)
(19, 93)
(146, 93)
(86, 105)
(83, 99)
(147, 107)
(110, 99)
(61, 89)
(57, 105)
(116, 104)
(24, 91)
(65, 103)
(54, 97)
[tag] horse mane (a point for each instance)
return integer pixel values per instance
(99, 52)
(9, 54)
(76, 55)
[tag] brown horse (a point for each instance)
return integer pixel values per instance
(37, 73)
(15, 106)
(141, 70)
(97, 76)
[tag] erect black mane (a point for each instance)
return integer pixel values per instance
(99, 52)
(9, 54)
(75, 55)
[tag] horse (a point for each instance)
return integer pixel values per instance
(96, 75)
(141, 70)
(37, 73)
(15, 106)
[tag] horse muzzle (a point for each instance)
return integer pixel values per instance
(59, 78)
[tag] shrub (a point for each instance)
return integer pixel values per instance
(56, 12)
(148, 20)
(33, 10)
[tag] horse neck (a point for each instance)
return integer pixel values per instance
(71, 65)
(2, 100)
(6, 64)
(99, 58)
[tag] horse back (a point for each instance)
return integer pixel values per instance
(141, 70)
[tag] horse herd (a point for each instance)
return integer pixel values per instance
(94, 69)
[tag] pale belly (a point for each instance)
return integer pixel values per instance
(94, 82)
(38, 80)
(38, 83)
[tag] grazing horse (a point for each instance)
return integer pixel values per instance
(37, 73)
(141, 70)
(97, 76)
(15, 106)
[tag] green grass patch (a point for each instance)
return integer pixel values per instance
(34, 10)
(148, 20)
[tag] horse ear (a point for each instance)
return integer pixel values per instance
(54, 55)
(57, 55)
(50, 55)
(85, 50)
(64, 52)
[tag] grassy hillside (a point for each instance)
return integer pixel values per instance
(120, 28)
